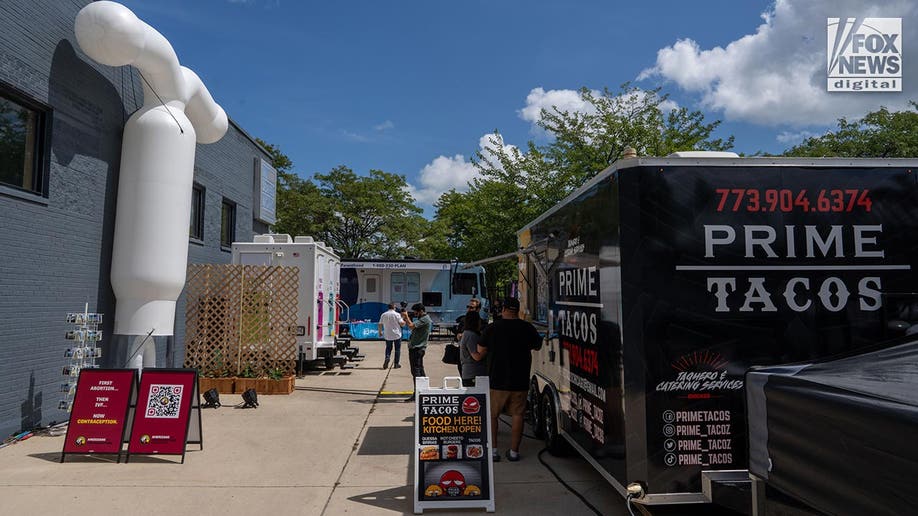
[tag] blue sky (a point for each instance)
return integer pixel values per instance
(412, 86)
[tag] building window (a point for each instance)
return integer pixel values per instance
(23, 141)
(228, 224)
(465, 283)
(196, 229)
(405, 286)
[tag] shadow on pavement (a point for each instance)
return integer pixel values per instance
(394, 499)
(387, 440)
(362, 392)
(56, 457)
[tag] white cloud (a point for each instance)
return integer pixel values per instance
(777, 75)
(441, 175)
(445, 173)
(793, 138)
(388, 124)
(355, 137)
(494, 141)
(565, 100)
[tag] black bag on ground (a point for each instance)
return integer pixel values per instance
(451, 354)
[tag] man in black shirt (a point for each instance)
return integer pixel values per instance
(508, 343)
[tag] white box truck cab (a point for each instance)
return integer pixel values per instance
(320, 269)
(444, 287)
(662, 280)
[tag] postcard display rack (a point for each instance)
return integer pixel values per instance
(85, 336)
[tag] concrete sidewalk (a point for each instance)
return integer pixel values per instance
(334, 446)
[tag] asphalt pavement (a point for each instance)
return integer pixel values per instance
(336, 445)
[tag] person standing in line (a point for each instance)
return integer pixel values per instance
(471, 364)
(417, 342)
(390, 329)
(473, 306)
(509, 342)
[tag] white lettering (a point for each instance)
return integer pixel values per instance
(868, 293)
(764, 242)
(841, 291)
(757, 293)
(710, 241)
(813, 237)
(721, 292)
(860, 240)
(790, 294)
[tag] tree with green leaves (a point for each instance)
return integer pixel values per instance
(585, 142)
(516, 186)
(374, 215)
(880, 134)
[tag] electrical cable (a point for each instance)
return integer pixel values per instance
(558, 477)
(161, 102)
(139, 347)
(565, 484)
(628, 504)
(134, 91)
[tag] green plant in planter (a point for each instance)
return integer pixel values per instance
(248, 372)
(219, 367)
(276, 373)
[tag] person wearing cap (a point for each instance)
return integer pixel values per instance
(508, 342)
(417, 341)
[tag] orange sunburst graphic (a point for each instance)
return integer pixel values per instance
(707, 358)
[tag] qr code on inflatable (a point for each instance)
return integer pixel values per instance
(164, 401)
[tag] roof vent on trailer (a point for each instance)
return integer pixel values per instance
(703, 154)
(303, 240)
(279, 238)
(263, 239)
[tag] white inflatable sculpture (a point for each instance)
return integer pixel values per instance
(150, 252)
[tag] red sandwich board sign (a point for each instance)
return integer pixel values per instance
(162, 415)
(99, 413)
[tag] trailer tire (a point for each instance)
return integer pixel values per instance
(534, 410)
(329, 362)
(554, 442)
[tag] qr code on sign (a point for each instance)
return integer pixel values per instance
(164, 401)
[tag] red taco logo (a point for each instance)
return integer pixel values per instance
(470, 405)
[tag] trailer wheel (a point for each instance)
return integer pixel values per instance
(329, 362)
(553, 440)
(534, 410)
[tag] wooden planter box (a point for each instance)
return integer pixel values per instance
(244, 384)
(237, 385)
(223, 385)
(283, 386)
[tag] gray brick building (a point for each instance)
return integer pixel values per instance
(61, 121)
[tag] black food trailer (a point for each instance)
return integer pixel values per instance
(662, 280)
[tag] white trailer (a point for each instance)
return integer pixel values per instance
(444, 287)
(320, 269)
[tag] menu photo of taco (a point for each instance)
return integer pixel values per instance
(473, 451)
(430, 452)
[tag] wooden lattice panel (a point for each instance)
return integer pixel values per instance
(239, 319)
